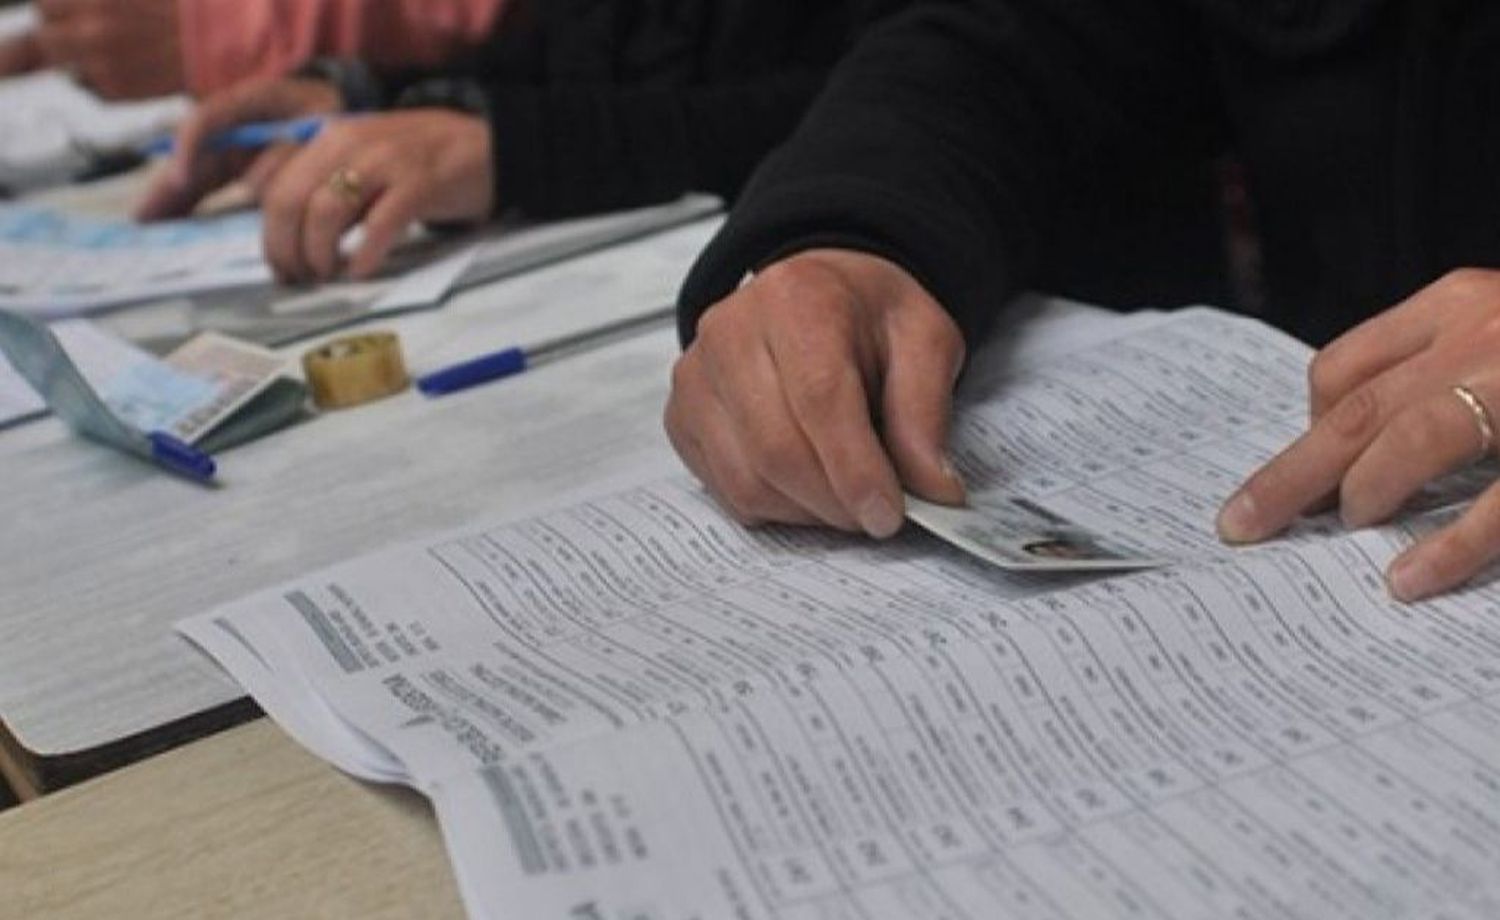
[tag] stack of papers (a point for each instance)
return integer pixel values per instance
(632, 707)
(55, 263)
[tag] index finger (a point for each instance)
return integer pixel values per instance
(210, 117)
(192, 172)
(1315, 464)
(924, 354)
(249, 102)
(815, 353)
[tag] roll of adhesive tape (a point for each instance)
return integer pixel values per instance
(355, 370)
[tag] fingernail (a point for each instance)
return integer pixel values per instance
(878, 517)
(1411, 578)
(1239, 521)
(950, 471)
(960, 488)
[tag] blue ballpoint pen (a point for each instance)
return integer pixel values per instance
(511, 361)
(251, 136)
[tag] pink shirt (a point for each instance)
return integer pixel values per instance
(227, 41)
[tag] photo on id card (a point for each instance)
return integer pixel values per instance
(1013, 533)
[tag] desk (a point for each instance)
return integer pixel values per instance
(244, 824)
(102, 555)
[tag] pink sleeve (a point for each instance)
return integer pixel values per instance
(228, 41)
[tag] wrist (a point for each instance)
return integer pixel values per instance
(354, 86)
(456, 95)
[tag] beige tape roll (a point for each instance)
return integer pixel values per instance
(355, 370)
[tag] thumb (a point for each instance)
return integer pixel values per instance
(924, 352)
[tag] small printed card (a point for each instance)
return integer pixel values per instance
(1013, 533)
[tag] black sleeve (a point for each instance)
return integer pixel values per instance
(942, 138)
(573, 149)
(580, 148)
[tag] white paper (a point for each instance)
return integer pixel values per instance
(1136, 438)
(1131, 437)
(502, 250)
(517, 246)
(55, 263)
(1218, 742)
(635, 705)
(631, 707)
(426, 286)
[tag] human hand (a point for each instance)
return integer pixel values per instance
(773, 406)
(195, 171)
(382, 172)
(1386, 420)
(121, 49)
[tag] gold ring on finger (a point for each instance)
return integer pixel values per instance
(1482, 420)
(347, 184)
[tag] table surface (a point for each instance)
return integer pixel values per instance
(101, 554)
(241, 825)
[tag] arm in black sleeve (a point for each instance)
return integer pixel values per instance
(942, 137)
(573, 149)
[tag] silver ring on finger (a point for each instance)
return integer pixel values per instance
(1484, 425)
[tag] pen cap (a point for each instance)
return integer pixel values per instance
(181, 458)
(497, 366)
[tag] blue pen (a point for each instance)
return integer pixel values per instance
(511, 361)
(251, 136)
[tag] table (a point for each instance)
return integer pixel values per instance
(102, 555)
(243, 824)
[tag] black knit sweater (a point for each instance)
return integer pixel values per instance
(599, 105)
(1068, 145)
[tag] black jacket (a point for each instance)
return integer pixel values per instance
(602, 104)
(1068, 145)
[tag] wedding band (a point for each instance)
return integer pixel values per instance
(1481, 418)
(347, 184)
